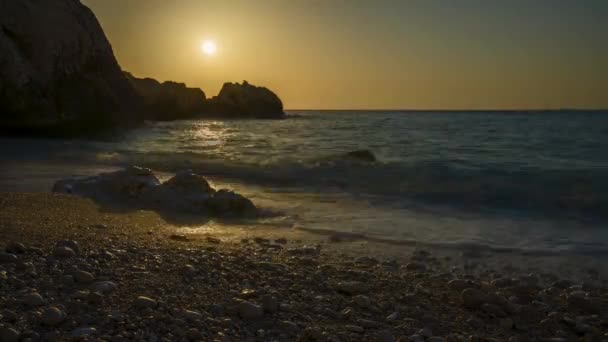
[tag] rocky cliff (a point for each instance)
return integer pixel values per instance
(58, 71)
(168, 100)
(246, 101)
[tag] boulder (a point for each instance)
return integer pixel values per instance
(129, 183)
(58, 71)
(228, 203)
(244, 100)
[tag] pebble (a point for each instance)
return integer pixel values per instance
(33, 299)
(52, 316)
(270, 304)
(362, 301)
(189, 271)
(85, 331)
(9, 334)
(83, 277)
(350, 287)
(435, 339)
(193, 335)
(103, 287)
(473, 298)
(250, 311)
(415, 338)
(7, 258)
(71, 244)
(393, 317)
(425, 332)
(145, 303)
(415, 266)
(385, 336)
(63, 252)
(354, 328)
(192, 315)
(506, 323)
(458, 284)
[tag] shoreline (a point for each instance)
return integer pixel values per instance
(228, 282)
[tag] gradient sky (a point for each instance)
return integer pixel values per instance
(357, 54)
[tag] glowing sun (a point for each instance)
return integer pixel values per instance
(208, 47)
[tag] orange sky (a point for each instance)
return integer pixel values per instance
(357, 54)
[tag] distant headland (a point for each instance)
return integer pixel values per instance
(59, 76)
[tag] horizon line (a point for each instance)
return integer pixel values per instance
(454, 110)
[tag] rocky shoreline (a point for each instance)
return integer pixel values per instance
(75, 272)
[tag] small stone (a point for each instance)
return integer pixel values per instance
(506, 323)
(67, 280)
(415, 338)
(270, 304)
(189, 271)
(83, 277)
(473, 298)
(7, 258)
(350, 287)
(213, 240)
(393, 317)
(458, 284)
(71, 244)
(52, 316)
(15, 248)
(415, 266)
(435, 339)
(103, 287)
(62, 252)
(193, 335)
(192, 315)
(9, 334)
(81, 332)
(145, 303)
(354, 328)
(95, 298)
(33, 299)
(362, 301)
(385, 336)
(250, 311)
(425, 332)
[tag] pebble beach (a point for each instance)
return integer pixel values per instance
(70, 270)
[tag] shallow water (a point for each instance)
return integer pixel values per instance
(536, 181)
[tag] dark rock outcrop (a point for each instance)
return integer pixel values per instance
(58, 73)
(245, 101)
(136, 187)
(168, 100)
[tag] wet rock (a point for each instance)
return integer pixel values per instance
(213, 240)
(250, 311)
(73, 245)
(83, 277)
(425, 332)
(435, 339)
(33, 299)
(143, 302)
(226, 203)
(415, 338)
(189, 271)
(193, 335)
(577, 302)
(52, 316)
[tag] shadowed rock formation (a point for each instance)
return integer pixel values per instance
(246, 101)
(58, 73)
(168, 100)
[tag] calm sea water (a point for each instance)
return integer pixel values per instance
(530, 180)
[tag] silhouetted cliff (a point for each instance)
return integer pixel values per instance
(168, 100)
(58, 73)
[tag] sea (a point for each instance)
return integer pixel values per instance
(532, 181)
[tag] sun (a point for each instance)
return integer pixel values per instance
(208, 47)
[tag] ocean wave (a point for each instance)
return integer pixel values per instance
(578, 194)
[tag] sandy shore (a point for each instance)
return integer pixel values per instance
(70, 270)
